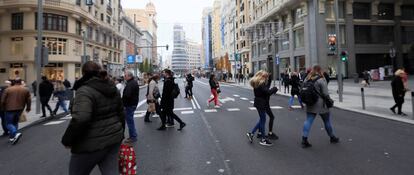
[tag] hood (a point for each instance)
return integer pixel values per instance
(103, 86)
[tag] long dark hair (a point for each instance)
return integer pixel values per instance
(212, 76)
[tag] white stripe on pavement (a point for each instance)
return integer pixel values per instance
(296, 107)
(252, 102)
(196, 101)
(192, 102)
(210, 110)
(233, 109)
(68, 117)
(252, 108)
(139, 115)
(182, 109)
(187, 112)
(53, 123)
(141, 103)
(276, 107)
(236, 95)
(243, 98)
(202, 82)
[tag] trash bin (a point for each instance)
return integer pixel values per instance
(356, 77)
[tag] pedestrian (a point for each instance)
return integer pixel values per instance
(14, 100)
(119, 86)
(45, 92)
(367, 77)
(319, 107)
(295, 83)
(261, 83)
(2, 110)
(167, 101)
(214, 88)
(34, 88)
(95, 133)
(153, 95)
(326, 75)
(60, 93)
(130, 99)
(189, 87)
(398, 91)
(67, 84)
(286, 82)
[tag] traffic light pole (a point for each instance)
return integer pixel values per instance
(39, 51)
(338, 50)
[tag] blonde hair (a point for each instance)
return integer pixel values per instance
(259, 79)
(399, 72)
(316, 71)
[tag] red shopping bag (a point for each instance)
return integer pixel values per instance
(127, 160)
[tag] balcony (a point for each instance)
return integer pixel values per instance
(109, 9)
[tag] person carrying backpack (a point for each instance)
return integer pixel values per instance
(319, 105)
(215, 90)
(167, 100)
(295, 83)
(153, 94)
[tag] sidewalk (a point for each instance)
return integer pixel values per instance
(378, 98)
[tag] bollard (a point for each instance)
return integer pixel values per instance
(412, 102)
(363, 98)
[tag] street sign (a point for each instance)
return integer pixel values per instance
(138, 59)
(392, 52)
(277, 59)
(238, 65)
(131, 59)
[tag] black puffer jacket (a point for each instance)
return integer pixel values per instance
(262, 95)
(98, 119)
(167, 99)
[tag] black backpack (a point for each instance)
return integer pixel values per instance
(176, 90)
(308, 93)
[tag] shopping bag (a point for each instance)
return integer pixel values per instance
(127, 160)
(22, 117)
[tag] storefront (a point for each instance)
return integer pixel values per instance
(284, 65)
(332, 67)
(54, 71)
(300, 63)
(17, 70)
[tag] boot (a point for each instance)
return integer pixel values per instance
(334, 139)
(305, 143)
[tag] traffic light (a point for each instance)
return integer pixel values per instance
(332, 42)
(344, 56)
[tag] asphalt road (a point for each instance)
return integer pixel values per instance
(214, 142)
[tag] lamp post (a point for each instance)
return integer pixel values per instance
(39, 51)
(84, 58)
(135, 46)
(338, 50)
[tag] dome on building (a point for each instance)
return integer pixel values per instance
(150, 7)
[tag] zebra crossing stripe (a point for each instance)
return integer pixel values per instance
(210, 110)
(139, 115)
(276, 107)
(137, 112)
(236, 95)
(183, 109)
(187, 112)
(53, 123)
(233, 109)
(252, 102)
(252, 108)
(243, 98)
(296, 107)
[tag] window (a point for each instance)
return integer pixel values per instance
(78, 48)
(102, 2)
(407, 12)
(362, 10)
(102, 17)
(54, 22)
(16, 46)
(90, 32)
(104, 38)
(330, 9)
(407, 34)
(297, 15)
(56, 46)
(97, 34)
(299, 35)
(17, 21)
(374, 34)
(78, 28)
(78, 2)
(386, 11)
(285, 41)
(108, 19)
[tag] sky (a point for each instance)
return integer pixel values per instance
(169, 12)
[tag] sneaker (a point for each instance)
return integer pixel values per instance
(393, 110)
(305, 143)
(131, 140)
(16, 138)
(147, 121)
(161, 128)
(259, 135)
(265, 142)
(334, 140)
(250, 137)
(155, 116)
(217, 107)
(208, 103)
(182, 125)
(272, 136)
(170, 125)
(402, 114)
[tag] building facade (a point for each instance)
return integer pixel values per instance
(179, 60)
(129, 32)
(295, 34)
(65, 22)
(216, 33)
(193, 50)
(207, 40)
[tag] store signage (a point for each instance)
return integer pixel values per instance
(277, 59)
(16, 65)
(131, 59)
(139, 59)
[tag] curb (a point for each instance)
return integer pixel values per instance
(369, 114)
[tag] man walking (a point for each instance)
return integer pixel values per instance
(96, 130)
(2, 113)
(167, 101)
(189, 87)
(130, 100)
(13, 100)
(45, 92)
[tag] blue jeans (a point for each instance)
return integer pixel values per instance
(61, 103)
(12, 120)
(129, 117)
(291, 100)
(326, 121)
(261, 124)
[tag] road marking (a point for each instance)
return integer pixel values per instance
(276, 107)
(67, 117)
(233, 109)
(202, 83)
(139, 115)
(252, 108)
(243, 98)
(53, 123)
(252, 102)
(183, 109)
(296, 107)
(224, 100)
(210, 110)
(141, 103)
(187, 112)
(139, 112)
(235, 95)
(196, 101)
(192, 102)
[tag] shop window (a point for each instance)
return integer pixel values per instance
(386, 11)
(56, 46)
(407, 12)
(362, 10)
(17, 21)
(407, 34)
(16, 46)
(299, 38)
(53, 22)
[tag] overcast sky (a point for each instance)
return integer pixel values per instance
(186, 12)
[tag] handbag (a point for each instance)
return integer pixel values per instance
(328, 102)
(156, 93)
(127, 160)
(151, 107)
(218, 90)
(22, 117)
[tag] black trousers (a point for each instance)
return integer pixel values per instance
(45, 103)
(269, 112)
(188, 91)
(399, 101)
(169, 113)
